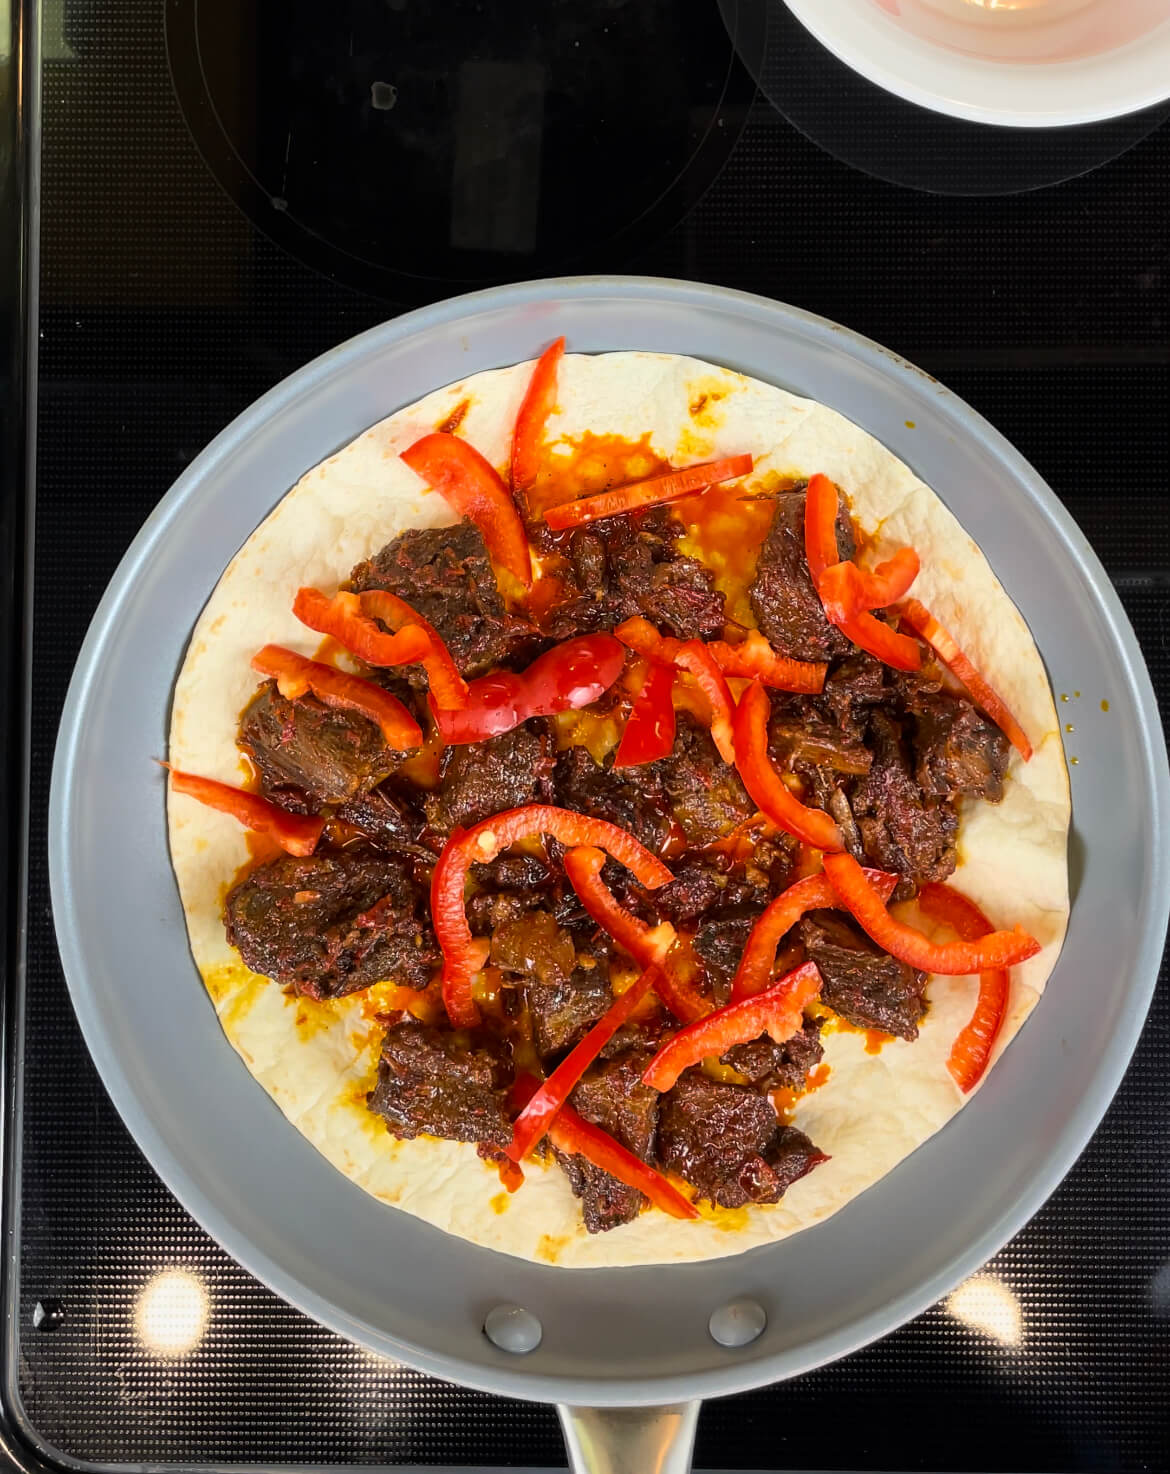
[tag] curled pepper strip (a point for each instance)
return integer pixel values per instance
(649, 731)
(647, 945)
(984, 695)
(448, 689)
(482, 843)
(471, 485)
(693, 657)
(571, 675)
(764, 783)
(576, 1137)
(755, 660)
(972, 1048)
(341, 616)
(295, 675)
(777, 1012)
(296, 833)
(754, 973)
(843, 594)
(534, 1120)
(535, 408)
(652, 492)
(908, 944)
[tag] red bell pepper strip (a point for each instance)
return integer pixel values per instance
(681, 997)
(649, 732)
(483, 842)
(908, 944)
(777, 1012)
(340, 616)
(972, 1048)
(754, 973)
(571, 675)
(471, 485)
(296, 833)
(842, 592)
(295, 675)
(755, 660)
(890, 580)
(693, 657)
(940, 639)
(764, 783)
(820, 526)
(576, 1137)
(533, 1121)
(647, 945)
(535, 408)
(448, 689)
(638, 495)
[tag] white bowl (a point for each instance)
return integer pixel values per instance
(1016, 94)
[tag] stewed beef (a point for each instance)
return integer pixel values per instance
(863, 984)
(483, 778)
(445, 574)
(956, 751)
(706, 795)
(719, 943)
(633, 798)
(728, 1142)
(308, 754)
(785, 603)
(431, 1083)
(388, 819)
(563, 1012)
(805, 741)
(533, 945)
(770, 1066)
(612, 1096)
(329, 924)
(901, 827)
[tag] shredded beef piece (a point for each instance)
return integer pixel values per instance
(430, 1083)
(611, 1095)
(706, 795)
(444, 573)
(329, 924)
(865, 985)
(957, 751)
(699, 885)
(484, 778)
(308, 754)
(812, 743)
(785, 603)
(514, 873)
(533, 944)
(728, 1143)
(771, 1066)
(387, 819)
(633, 798)
(562, 1013)
(719, 943)
(901, 828)
(858, 682)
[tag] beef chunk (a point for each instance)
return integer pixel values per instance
(902, 828)
(727, 1141)
(783, 598)
(445, 574)
(696, 889)
(706, 795)
(534, 945)
(632, 798)
(388, 820)
(720, 942)
(562, 1013)
(811, 743)
(329, 924)
(308, 754)
(429, 1082)
(857, 683)
(863, 984)
(524, 873)
(612, 1096)
(957, 751)
(484, 778)
(770, 1066)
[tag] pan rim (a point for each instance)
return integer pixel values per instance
(731, 1376)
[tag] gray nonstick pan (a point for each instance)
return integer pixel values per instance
(627, 1353)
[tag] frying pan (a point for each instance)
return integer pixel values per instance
(625, 1352)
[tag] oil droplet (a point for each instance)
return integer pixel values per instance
(1074, 761)
(1077, 694)
(1064, 696)
(1068, 727)
(909, 424)
(1104, 705)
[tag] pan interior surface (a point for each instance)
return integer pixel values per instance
(382, 1277)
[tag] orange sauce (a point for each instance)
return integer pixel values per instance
(425, 1004)
(785, 1099)
(423, 767)
(455, 418)
(726, 530)
(332, 652)
(590, 464)
(833, 1023)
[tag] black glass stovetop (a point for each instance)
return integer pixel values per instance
(230, 188)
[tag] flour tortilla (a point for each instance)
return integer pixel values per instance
(317, 1061)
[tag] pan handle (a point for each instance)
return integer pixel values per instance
(629, 1440)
